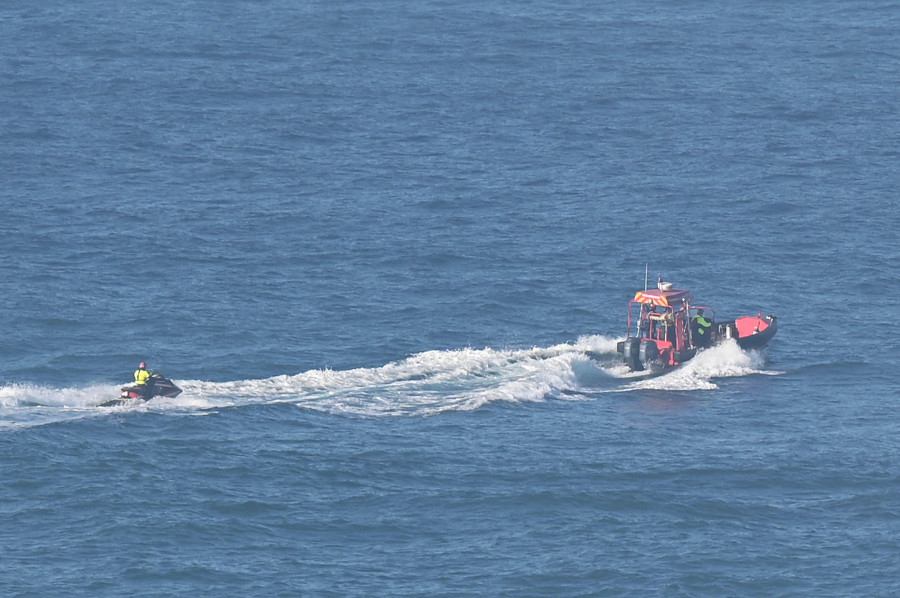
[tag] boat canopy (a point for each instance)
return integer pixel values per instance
(670, 298)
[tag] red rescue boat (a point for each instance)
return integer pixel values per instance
(666, 328)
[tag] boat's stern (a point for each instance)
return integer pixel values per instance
(658, 335)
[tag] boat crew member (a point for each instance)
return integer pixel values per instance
(141, 375)
(701, 329)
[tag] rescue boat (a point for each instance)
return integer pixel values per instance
(666, 328)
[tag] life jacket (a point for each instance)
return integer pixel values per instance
(703, 325)
(141, 376)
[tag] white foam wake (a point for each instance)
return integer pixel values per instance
(726, 360)
(423, 384)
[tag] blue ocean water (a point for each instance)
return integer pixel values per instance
(386, 249)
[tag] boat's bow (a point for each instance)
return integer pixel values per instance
(755, 332)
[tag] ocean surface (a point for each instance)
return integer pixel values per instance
(386, 249)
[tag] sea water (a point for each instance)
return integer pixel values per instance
(386, 249)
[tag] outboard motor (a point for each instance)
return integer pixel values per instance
(649, 353)
(631, 354)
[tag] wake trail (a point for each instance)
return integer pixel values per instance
(426, 383)
(423, 384)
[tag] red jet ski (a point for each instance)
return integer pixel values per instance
(156, 386)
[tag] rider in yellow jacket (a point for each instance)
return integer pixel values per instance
(141, 375)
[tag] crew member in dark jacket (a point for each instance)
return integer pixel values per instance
(701, 329)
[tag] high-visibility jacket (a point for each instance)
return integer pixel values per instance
(141, 376)
(703, 325)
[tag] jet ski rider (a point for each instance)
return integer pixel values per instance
(141, 375)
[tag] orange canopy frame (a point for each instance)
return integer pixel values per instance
(673, 298)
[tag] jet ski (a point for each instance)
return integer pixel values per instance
(156, 386)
